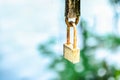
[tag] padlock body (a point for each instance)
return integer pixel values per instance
(71, 54)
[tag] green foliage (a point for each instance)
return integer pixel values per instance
(114, 1)
(88, 68)
(46, 49)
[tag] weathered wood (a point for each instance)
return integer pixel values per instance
(72, 8)
(71, 54)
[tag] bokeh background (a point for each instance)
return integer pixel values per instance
(32, 33)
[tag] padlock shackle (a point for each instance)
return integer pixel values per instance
(68, 35)
(74, 34)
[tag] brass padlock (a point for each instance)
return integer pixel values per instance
(71, 52)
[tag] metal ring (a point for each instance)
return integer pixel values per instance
(69, 23)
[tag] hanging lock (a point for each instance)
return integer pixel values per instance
(72, 10)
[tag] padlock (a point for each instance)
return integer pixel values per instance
(71, 52)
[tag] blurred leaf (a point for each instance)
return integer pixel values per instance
(88, 68)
